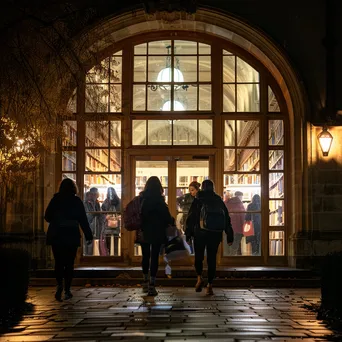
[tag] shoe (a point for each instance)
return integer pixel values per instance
(145, 286)
(209, 290)
(58, 294)
(199, 285)
(67, 295)
(152, 291)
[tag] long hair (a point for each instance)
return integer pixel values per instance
(68, 187)
(208, 185)
(153, 187)
(112, 196)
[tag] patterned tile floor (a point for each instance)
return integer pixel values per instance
(176, 314)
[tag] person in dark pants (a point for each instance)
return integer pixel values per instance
(253, 215)
(65, 213)
(155, 219)
(206, 239)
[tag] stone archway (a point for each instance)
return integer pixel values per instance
(118, 28)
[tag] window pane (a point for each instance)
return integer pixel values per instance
(276, 185)
(248, 160)
(69, 175)
(249, 184)
(97, 97)
(96, 160)
(225, 52)
(243, 207)
(247, 133)
(276, 159)
(139, 97)
(69, 133)
(186, 97)
(185, 47)
(115, 133)
(229, 160)
(103, 213)
(115, 160)
(161, 47)
(139, 132)
(276, 213)
(96, 134)
(229, 133)
(204, 68)
(185, 132)
(273, 105)
(205, 132)
(155, 66)
(157, 96)
(159, 132)
(71, 107)
(205, 97)
(115, 98)
(229, 97)
(277, 243)
(68, 161)
(188, 67)
(228, 69)
(140, 69)
(99, 73)
(245, 73)
(115, 70)
(248, 98)
(204, 49)
(140, 49)
(276, 132)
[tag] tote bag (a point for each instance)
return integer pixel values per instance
(248, 228)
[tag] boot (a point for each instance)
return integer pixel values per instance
(209, 290)
(152, 291)
(199, 285)
(58, 294)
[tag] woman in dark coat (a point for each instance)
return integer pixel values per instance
(255, 205)
(65, 213)
(206, 240)
(155, 219)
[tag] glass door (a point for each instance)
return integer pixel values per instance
(181, 178)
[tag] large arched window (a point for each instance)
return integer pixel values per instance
(165, 105)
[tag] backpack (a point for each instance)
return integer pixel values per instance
(132, 215)
(212, 216)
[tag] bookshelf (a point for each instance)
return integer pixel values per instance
(276, 243)
(276, 132)
(276, 212)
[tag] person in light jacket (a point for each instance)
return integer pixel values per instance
(237, 215)
(65, 213)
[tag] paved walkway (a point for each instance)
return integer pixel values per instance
(177, 314)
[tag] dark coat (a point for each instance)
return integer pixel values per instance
(155, 219)
(65, 213)
(192, 222)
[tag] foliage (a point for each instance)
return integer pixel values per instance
(19, 149)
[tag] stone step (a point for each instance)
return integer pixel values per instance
(188, 282)
(185, 276)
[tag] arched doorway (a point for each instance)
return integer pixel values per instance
(224, 107)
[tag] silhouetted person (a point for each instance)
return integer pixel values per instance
(209, 207)
(255, 205)
(65, 213)
(155, 219)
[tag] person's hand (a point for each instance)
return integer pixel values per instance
(188, 240)
(89, 242)
(229, 242)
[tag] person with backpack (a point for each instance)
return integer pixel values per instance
(208, 218)
(155, 218)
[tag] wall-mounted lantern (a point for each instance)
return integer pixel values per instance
(325, 139)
